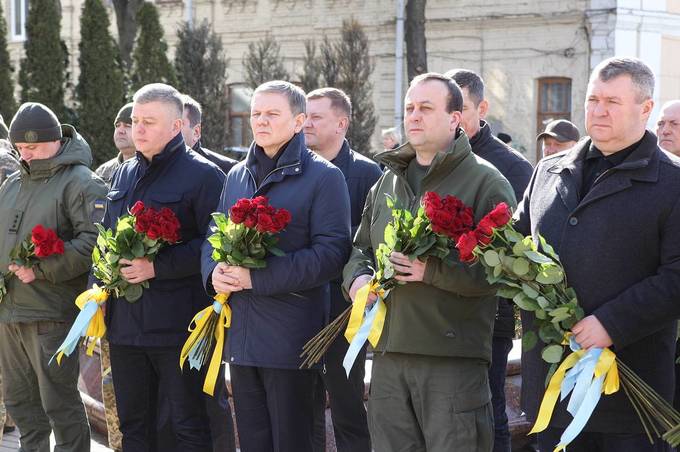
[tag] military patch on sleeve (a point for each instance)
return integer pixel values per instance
(98, 209)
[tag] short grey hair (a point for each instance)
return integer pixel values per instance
(193, 110)
(160, 92)
(294, 94)
(641, 75)
(393, 133)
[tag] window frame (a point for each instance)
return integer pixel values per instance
(21, 35)
(542, 117)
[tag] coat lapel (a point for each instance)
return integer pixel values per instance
(570, 170)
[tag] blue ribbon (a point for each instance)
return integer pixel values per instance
(78, 330)
(194, 362)
(586, 391)
(360, 338)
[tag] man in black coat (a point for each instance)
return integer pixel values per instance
(610, 207)
(191, 131)
(518, 171)
(146, 336)
(328, 113)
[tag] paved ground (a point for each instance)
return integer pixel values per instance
(10, 443)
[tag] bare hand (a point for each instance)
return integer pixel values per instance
(357, 284)
(590, 333)
(229, 278)
(411, 270)
(137, 270)
(26, 275)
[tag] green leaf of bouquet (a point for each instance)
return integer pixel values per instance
(550, 275)
(529, 340)
(133, 292)
(497, 271)
(507, 292)
(547, 249)
(538, 257)
(542, 302)
(519, 248)
(513, 236)
(276, 251)
(530, 291)
(520, 266)
(491, 258)
(541, 314)
(525, 302)
(390, 236)
(138, 249)
(549, 333)
(552, 353)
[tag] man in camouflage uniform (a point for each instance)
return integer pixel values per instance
(8, 165)
(54, 188)
(122, 137)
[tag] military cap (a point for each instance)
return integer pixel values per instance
(34, 123)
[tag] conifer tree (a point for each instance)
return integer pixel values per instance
(201, 68)
(100, 91)
(42, 76)
(263, 62)
(8, 104)
(311, 68)
(150, 62)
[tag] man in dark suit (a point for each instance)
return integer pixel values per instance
(610, 207)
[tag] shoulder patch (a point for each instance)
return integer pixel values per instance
(98, 208)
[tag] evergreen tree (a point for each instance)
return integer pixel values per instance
(201, 67)
(263, 62)
(311, 68)
(100, 91)
(43, 69)
(150, 62)
(328, 62)
(354, 72)
(8, 104)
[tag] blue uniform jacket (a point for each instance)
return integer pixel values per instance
(190, 186)
(289, 301)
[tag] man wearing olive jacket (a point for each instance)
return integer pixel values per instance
(54, 188)
(435, 348)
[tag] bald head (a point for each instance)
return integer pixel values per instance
(668, 127)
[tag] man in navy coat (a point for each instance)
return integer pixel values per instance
(328, 113)
(610, 207)
(277, 309)
(146, 336)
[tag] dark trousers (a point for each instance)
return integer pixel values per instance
(274, 408)
(219, 414)
(139, 374)
(500, 349)
(346, 396)
(601, 442)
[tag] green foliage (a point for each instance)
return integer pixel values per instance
(311, 68)
(201, 67)
(100, 91)
(328, 63)
(150, 62)
(43, 69)
(8, 104)
(263, 62)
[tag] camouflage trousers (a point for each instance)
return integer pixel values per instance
(109, 397)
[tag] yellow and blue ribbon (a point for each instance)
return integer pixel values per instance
(89, 323)
(199, 336)
(586, 375)
(364, 324)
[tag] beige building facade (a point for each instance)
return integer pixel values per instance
(535, 56)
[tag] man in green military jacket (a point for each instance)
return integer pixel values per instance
(429, 387)
(54, 188)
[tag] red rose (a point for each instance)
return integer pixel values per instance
(482, 238)
(281, 219)
(265, 223)
(137, 208)
(500, 215)
(58, 247)
(143, 222)
(154, 232)
(466, 245)
(432, 200)
(486, 226)
(38, 234)
(250, 221)
(240, 210)
(260, 201)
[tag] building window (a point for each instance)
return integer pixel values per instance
(554, 102)
(240, 135)
(18, 16)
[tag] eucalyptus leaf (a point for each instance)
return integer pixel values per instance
(133, 293)
(524, 302)
(552, 353)
(538, 257)
(520, 267)
(529, 340)
(530, 291)
(491, 258)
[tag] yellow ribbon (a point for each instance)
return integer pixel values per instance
(358, 310)
(606, 365)
(197, 330)
(97, 327)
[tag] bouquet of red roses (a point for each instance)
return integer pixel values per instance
(535, 280)
(432, 231)
(244, 238)
(139, 234)
(41, 243)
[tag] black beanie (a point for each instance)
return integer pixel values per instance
(34, 123)
(4, 133)
(124, 115)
